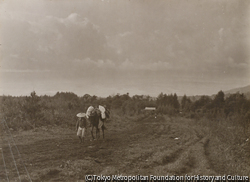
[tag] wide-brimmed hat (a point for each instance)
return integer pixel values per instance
(81, 115)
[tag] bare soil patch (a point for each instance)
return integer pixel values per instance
(159, 146)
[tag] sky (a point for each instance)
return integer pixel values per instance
(109, 47)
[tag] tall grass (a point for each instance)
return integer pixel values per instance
(228, 147)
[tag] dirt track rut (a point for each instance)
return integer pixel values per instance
(159, 146)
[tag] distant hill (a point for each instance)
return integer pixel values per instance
(243, 90)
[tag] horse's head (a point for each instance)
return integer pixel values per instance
(95, 112)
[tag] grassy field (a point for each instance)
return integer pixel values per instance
(144, 146)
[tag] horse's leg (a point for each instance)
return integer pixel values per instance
(96, 128)
(80, 139)
(97, 133)
(92, 132)
(103, 130)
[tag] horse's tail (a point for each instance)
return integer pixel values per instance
(103, 127)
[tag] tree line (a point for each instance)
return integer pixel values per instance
(31, 111)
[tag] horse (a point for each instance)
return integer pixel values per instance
(94, 119)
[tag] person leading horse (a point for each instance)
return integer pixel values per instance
(95, 115)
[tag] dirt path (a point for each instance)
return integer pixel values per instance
(161, 146)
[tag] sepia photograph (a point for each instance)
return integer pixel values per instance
(124, 90)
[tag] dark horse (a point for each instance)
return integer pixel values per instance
(94, 119)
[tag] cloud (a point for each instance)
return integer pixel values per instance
(23, 71)
(50, 41)
(240, 65)
(153, 41)
(73, 18)
(150, 66)
(221, 32)
(124, 34)
(100, 63)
